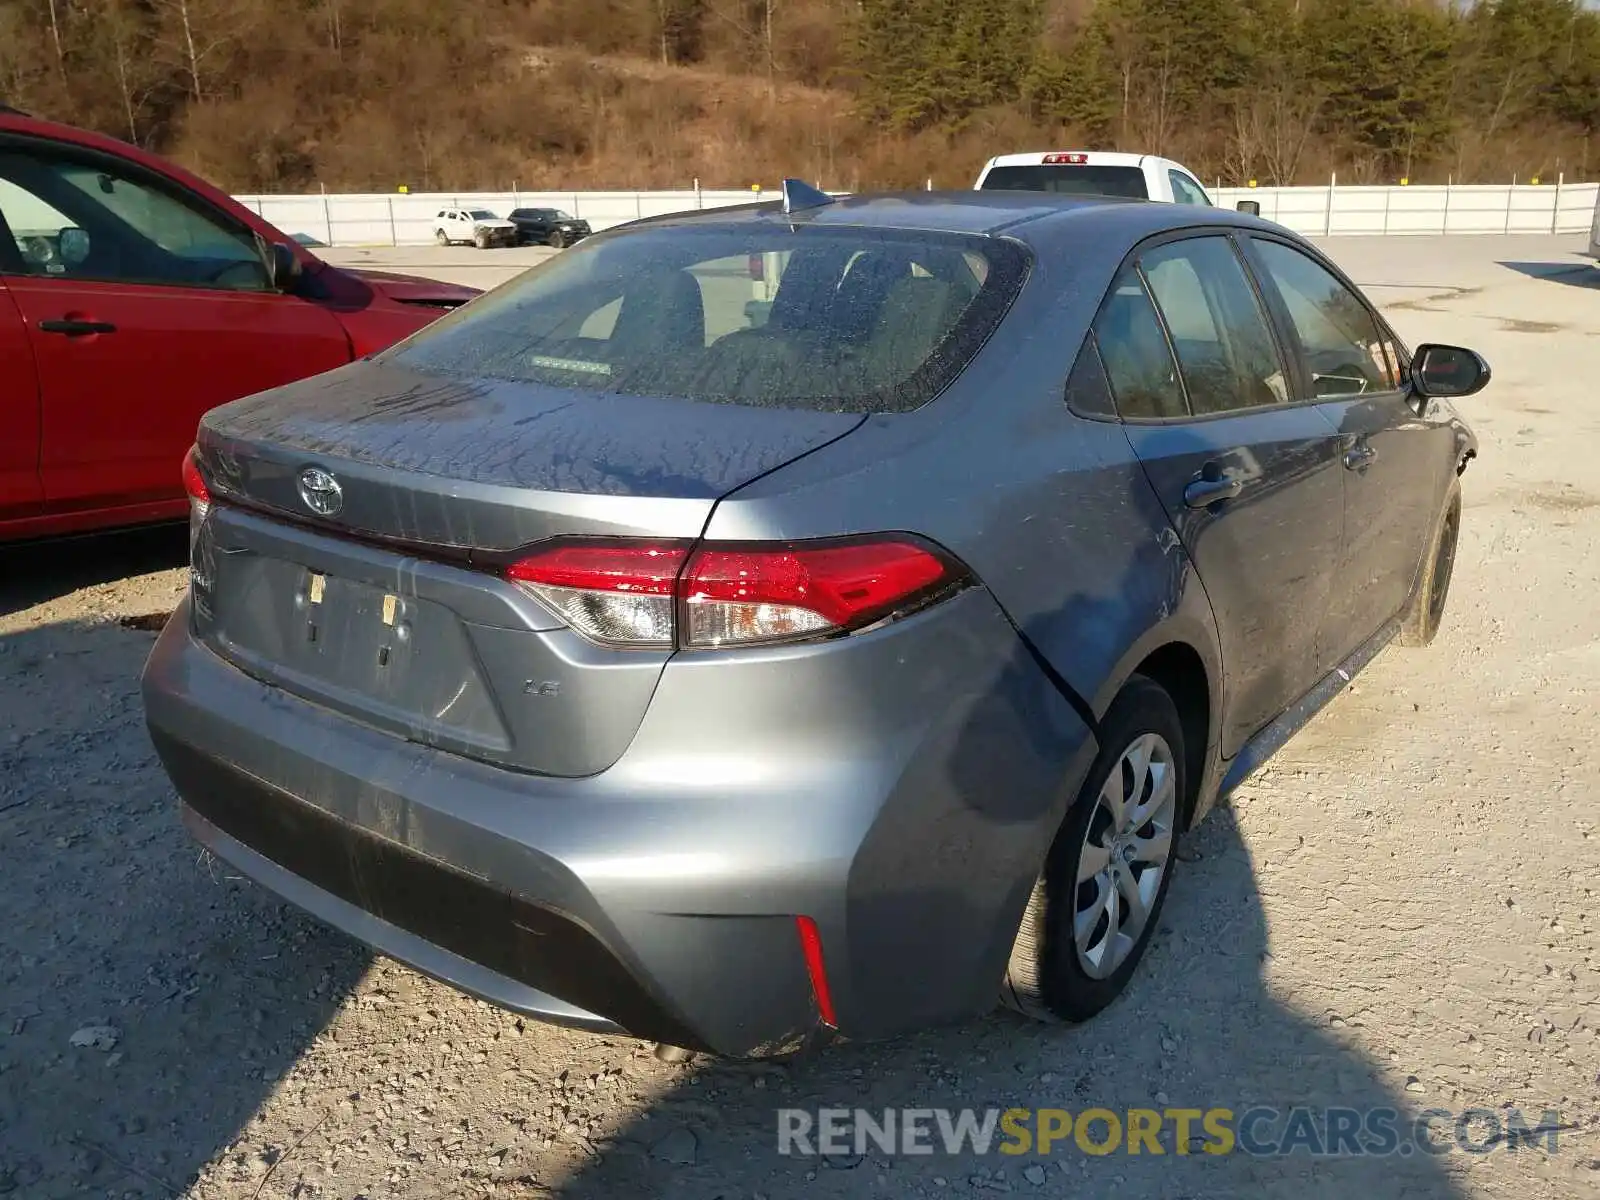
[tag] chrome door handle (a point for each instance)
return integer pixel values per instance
(1359, 456)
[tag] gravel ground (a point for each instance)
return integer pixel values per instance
(1401, 911)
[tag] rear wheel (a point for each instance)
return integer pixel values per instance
(1096, 905)
(1422, 622)
(441, 237)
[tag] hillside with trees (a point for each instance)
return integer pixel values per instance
(289, 95)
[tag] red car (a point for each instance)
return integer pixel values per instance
(134, 297)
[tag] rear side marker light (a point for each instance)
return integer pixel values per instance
(811, 947)
(622, 592)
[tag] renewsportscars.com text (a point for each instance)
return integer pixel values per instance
(1259, 1131)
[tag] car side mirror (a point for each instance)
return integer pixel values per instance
(283, 264)
(1446, 372)
(1249, 207)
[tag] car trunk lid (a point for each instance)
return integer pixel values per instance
(391, 608)
(483, 465)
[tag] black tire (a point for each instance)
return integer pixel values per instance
(1422, 620)
(441, 237)
(480, 240)
(1046, 978)
(557, 240)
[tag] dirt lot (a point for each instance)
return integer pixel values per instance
(1400, 911)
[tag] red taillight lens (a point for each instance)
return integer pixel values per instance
(738, 595)
(199, 493)
(194, 483)
(627, 593)
(1075, 160)
(610, 590)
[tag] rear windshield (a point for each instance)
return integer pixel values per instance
(1083, 180)
(830, 319)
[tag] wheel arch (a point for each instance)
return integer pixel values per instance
(1181, 656)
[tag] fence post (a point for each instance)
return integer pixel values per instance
(638, 204)
(1388, 192)
(1327, 216)
(327, 214)
(394, 236)
(1449, 183)
(699, 200)
(516, 196)
(1555, 210)
(1511, 194)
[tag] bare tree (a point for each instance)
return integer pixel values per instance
(55, 37)
(197, 33)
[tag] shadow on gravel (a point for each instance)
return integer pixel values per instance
(1573, 274)
(1200, 1028)
(36, 572)
(149, 1001)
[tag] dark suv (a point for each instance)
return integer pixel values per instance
(548, 227)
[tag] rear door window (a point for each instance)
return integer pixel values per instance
(1069, 179)
(1225, 348)
(1187, 191)
(1136, 355)
(827, 319)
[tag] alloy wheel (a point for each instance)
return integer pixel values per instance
(1126, 850)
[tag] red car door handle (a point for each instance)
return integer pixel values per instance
(76, 328)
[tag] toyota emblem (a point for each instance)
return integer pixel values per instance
(321, 492)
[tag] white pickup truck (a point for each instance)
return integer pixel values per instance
(1095, 173)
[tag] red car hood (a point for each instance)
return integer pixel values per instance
(412, 289)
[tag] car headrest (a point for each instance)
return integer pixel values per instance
(661, 314)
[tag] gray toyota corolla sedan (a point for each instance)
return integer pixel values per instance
(816, 618)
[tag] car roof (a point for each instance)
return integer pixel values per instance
(1017, 213)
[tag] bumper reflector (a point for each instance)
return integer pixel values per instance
(811, 944)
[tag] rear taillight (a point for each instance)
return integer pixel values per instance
(195, 485)
(612, 591)
(659, 594)
(199, 494)
(760, 594)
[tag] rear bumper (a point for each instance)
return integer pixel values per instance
(659, 897)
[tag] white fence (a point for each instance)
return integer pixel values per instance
(1469, 208)
(407, 219)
